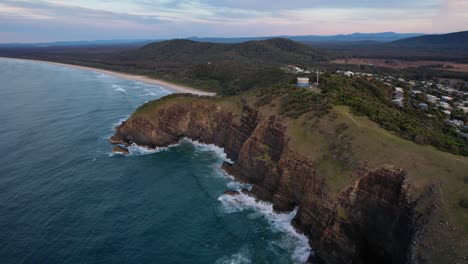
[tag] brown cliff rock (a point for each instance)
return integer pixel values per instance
(119, 149)
(370, 222)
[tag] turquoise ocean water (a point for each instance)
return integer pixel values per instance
(64, 198)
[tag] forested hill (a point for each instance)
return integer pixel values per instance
(227, 69)
(219, 67)
(458, 40)
(269, 52)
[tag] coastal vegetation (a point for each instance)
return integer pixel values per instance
(369, 98)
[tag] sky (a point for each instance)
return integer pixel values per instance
(71, 20)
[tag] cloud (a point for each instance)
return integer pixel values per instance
(451, 14)
(104, 19)
(12, 11)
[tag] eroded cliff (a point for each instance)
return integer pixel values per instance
(370, 220)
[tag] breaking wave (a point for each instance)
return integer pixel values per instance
(150, 93)
(241, 257)
(208, 147)
(291, 240)
(118, 88)
(118, 123)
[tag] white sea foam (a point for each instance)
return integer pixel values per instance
(150, 93)
(118, 88)
(103, 76)
(136, 150)
(118, 123)
(210, 148)
(291, 240)
(241, 257)
(239, 186)
(138, 83)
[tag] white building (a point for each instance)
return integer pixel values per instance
(349, 73)
(303, 82)
(444, 105)
(454, 122)
(463, 108)
(398, 102)
(432, 98)
(447, 98)
(415, 92)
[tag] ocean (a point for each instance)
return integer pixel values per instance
(65, 198)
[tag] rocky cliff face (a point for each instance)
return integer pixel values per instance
(370, 222)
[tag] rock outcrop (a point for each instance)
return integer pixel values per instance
(121, 150)
(369, 222)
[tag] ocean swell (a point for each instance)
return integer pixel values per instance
(290, 240)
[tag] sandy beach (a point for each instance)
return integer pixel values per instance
(176, 88)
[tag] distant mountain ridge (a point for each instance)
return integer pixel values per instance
(378, 37)
(458, 40)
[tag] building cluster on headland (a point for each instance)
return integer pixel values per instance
(443, 97)
(429, 96)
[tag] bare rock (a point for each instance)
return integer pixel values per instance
(121, 150)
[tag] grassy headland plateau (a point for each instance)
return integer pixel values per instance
(365, 195)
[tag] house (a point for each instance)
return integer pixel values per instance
(303, 82)
(454, 122)
(432, 98)
(398, 102)
(423, 106)
(298, 70)
(444, 105)
(349, 73)
(415, 92)
(399, 92)
(463, 108)
(399, 89)
(447, 98)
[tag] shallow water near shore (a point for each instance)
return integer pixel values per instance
(65, 199)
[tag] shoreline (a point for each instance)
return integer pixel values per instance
(176, 88)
